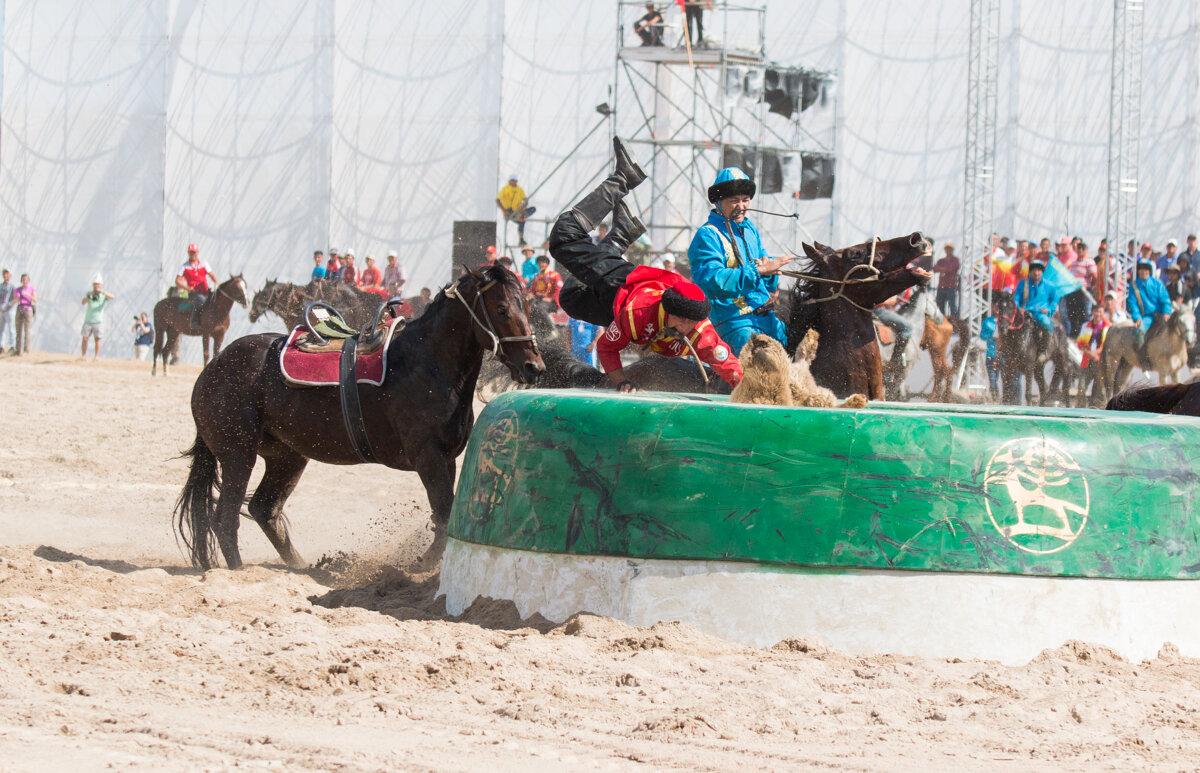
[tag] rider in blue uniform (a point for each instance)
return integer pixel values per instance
(1147, 297)
(1036, 296)
(731, 266)
(1039, 299)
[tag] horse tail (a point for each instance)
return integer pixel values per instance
(1152, 399)
(197, 502)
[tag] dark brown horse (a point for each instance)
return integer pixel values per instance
(1176, 399)
(288, 301)
(1017, 345)
(170, 321)
(418, 420)
(283, 299)
(836, 294)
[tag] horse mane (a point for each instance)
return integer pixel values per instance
(494, 273)
(804, 314)
(1152, 399)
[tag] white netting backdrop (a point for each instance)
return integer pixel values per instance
(265, 130)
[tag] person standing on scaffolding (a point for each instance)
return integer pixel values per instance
(656, 309)
(694, 19)
(731, 266)
(513, 202)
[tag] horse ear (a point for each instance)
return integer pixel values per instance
(811, 252)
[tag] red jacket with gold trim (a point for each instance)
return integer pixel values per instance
(639, 318)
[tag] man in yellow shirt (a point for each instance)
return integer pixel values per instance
(515, 205)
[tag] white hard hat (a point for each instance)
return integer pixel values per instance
(512, 176)
(97, 280)
(392, 254)
(349, 251)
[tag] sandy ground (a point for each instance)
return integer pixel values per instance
(115, 655)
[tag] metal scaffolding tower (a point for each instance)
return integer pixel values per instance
(1124, 128)
(685, 108)
(978, 196)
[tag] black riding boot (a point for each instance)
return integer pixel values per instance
(593, 208)
(626, 228)
(197, 305)
(627, 167)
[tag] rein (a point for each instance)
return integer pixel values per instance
(486, 323)
(845, 281)
(1012, 321)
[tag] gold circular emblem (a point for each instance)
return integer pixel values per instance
(1036, 495)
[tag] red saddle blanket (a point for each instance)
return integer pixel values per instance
(321, 368)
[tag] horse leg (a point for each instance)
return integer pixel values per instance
(436, 470)
(236, 467)
(218, 337)
(205, 339)
(158, 347)
(168, 347)
(1039, 375)
(284, 468)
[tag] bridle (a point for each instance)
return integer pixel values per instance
(272, 294)
(1018, 313)
(845, 281)
(485, 324)
(221, 291)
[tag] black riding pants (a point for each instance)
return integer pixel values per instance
(597, 271)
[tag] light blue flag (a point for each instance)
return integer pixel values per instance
(1060, 278)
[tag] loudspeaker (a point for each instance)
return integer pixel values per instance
(471, 238)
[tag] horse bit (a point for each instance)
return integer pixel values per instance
(486, 323)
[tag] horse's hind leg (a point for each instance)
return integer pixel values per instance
(235, 477)
(284, 468)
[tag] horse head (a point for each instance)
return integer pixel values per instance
(497, 306)
(1012, 323)
(1183, 321)
(234, 288)
(869, 273)
(263, 298)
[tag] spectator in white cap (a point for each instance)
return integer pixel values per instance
(393, 275)
(349, 272)
(513, 202)
(1116, 315)
(668, 261)
(93, 316)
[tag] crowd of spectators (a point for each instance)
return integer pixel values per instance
(388, 282)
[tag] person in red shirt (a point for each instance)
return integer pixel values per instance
(666, 314)
(545, 284)
(333, 269)
(371, 277)
(349, 272)
(193, 278)
(651, 307)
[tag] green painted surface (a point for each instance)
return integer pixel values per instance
(945, 488)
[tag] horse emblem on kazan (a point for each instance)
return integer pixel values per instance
(494, 467)
(1036, 495)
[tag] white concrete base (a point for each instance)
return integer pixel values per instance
(931, 614)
